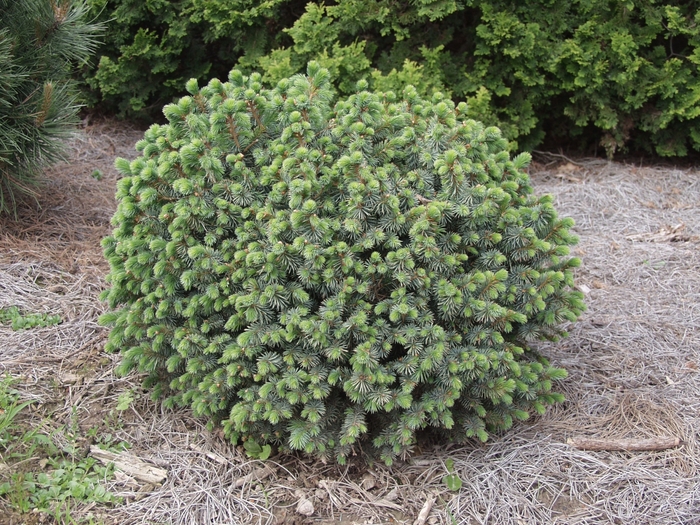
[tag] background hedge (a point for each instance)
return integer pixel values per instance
(616, 74)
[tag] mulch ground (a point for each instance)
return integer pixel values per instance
(633, 364)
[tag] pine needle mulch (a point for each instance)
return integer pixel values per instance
(633, 362)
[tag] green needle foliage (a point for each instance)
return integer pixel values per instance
(41, 42)
(324, 278)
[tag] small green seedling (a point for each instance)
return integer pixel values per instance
(124, 400)
(19, 321)
(10, 407)
(452, 481)
(255, 451)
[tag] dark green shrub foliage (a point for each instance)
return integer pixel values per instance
(41, 42)
(314, 277)
(609, 72)
(615, 73)
(152, 47)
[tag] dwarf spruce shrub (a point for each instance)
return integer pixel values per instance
(327, 277)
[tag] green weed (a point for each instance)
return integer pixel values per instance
(452, 480)
(19, 321)
(55, 484)
(255, 451)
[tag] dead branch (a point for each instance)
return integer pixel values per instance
(130, 465)
(425, 511)
(659, 443)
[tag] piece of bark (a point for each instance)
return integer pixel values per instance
(126, 480)
(256, 475)
(425, 511)
(130, 465)
(658, 443)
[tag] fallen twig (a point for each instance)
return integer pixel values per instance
(425, 511)
(660, 443)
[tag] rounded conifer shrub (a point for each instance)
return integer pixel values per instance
(330, 277)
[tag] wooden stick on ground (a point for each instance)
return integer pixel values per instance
(130, 465)
(425, 511)
(658, 443)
